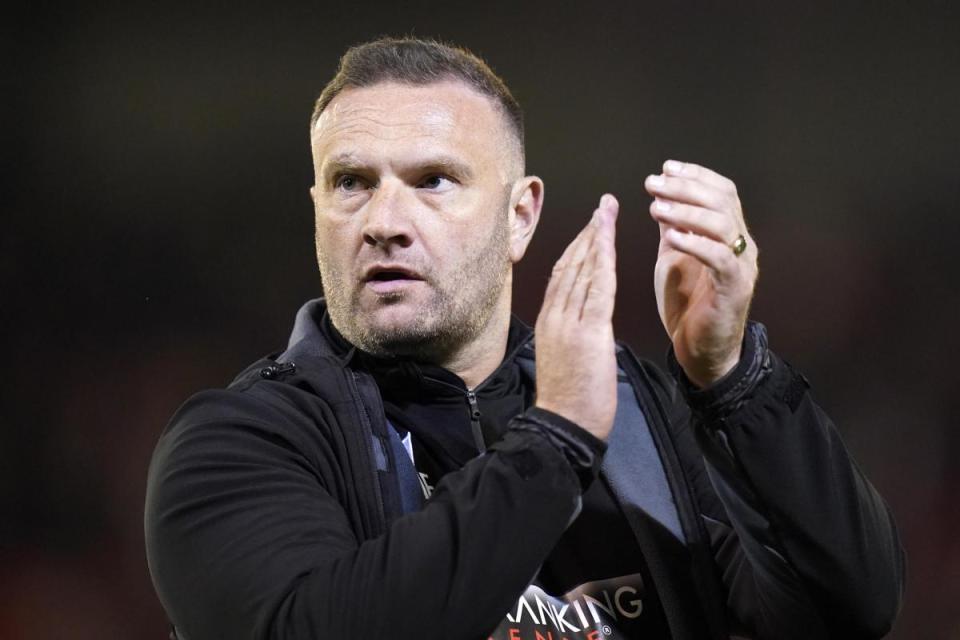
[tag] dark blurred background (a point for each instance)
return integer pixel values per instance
(157, 234)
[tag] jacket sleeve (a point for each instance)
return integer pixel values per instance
(245, 538)
(808, 548)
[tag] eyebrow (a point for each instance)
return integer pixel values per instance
(448, 164)
(341, 160)
(348, 161)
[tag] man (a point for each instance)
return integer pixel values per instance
(409, 468)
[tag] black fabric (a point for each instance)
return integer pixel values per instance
(730, 392)
(269, 515)
(431, 403)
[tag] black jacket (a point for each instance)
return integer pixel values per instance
(276, 509)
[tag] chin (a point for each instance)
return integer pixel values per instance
(394, 316)
(406, 332)
(401, 342)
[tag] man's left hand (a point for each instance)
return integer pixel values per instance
(703, 287)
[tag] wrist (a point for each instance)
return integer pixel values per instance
(729, 392)
(707, 376)
(597, 427)
(583, 451)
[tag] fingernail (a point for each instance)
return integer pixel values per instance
(656, 181)
(673, 167)
(606, 201)
(661, 205)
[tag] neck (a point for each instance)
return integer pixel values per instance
(475, 361)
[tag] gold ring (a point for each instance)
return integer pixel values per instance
(739, 245)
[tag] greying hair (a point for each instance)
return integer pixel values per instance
(419, 62)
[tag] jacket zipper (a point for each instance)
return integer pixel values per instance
(474, 409)
(278, 369)
(475, 422)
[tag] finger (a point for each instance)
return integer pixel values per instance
(582, 281)
(696, 172)
(718, 257)
(558, 287)
(560, 265)
(550, 296)
(577, 274)
(689, 191)
(687, 217)
(601, 295)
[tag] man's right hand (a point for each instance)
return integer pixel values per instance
(576, 361)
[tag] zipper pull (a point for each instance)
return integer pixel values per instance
(275, 370)
(475, 422)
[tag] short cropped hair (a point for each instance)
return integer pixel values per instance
(419, 62)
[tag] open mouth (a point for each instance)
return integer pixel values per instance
(389, 276)
(390, 273)
(390, 279)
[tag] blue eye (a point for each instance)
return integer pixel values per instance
(348, 182)
(435, 182)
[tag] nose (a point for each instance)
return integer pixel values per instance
(387, 219)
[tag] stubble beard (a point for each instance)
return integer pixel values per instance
(455, 314)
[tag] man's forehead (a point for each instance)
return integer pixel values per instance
(391, 110)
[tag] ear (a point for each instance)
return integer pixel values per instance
(526, 200)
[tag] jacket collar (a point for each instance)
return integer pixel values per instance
(313, 334)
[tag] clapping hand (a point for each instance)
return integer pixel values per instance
(706, 267)
(576, 354)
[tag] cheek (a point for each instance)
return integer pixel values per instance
(467, 245)
(333, 246)
(448, 241)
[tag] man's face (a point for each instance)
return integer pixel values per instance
(412, 195)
